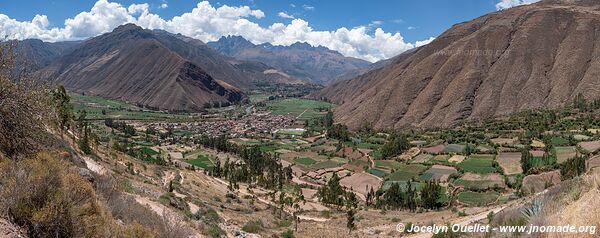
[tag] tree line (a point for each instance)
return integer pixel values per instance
(256, 167)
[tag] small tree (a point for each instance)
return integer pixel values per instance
(351, 204)
(64, 109)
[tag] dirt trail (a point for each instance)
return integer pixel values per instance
(93, 165)
(168, 177)
(154, 206)
(165, 212)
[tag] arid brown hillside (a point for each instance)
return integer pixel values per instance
(535, 56)
(135, 65)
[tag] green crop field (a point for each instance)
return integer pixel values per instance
(387, 164)
(558, 141)
(296, 107)
(478, 164)
(377, 172)
(202, 161)
(195, 154)
(422, 158)
(149, 151)
(325, 164)
(368, 146)
(436, 173)
(478, 199)
(305, 161)
(407, 171)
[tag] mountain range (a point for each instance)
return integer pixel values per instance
(165, 71)
(534, 56)
(318, 65)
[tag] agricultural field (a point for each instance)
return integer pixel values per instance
(589, 146)
(422, 158)
(378, 172)
(387, 164)
(201, 161)
(510, 162)
(457, 159)
(98, 108)
(438, 173)
(473, 181)
(563, 153)
(305, 161)
(436, 149)
(454, 148)
(559, 141)
(326, 164)
(254, 98)
(407, 172)
(481, 164)
(291, 131)
(360, 182)
(245, 141)
(303, 109)
(441, 159)
(478, 198)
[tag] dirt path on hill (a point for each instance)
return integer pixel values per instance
(168, 177)
(93, 165)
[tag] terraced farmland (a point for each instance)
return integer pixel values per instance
(482, 164)
(478, 198)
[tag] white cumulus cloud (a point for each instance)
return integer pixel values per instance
(208, 23)
(285, 15)
(505, 4)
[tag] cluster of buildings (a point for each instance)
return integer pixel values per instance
(257, 124)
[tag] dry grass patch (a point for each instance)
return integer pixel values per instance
(457, 159)
(564, 153)
(510, 162)
(436, 149)
(589, 146)
(538, 182)
(361, 182)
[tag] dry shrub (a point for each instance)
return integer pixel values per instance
(125, 208)
(24, 108)
(46, 199)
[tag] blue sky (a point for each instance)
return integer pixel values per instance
(408, 23)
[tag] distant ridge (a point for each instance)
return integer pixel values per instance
(300, 60)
